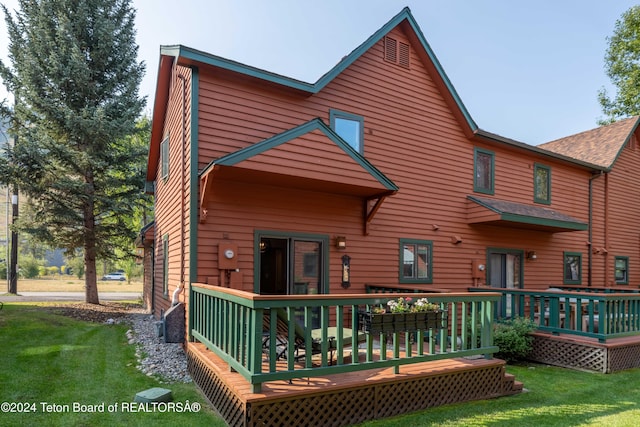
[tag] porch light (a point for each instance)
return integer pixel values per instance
(531, 255)
(341, 242)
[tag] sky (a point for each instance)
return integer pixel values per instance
(526, 70)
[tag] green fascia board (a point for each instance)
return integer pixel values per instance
(185, 52)
(414, 25)
(405, 14)
(532, 148)
(286, 136)
(527, 219)
(534, 220)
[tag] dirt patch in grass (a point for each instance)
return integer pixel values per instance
(99, 313)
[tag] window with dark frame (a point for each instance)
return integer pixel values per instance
(415, 261)
(622, 270)
(483, 171)
(542, 184)
(572, 268)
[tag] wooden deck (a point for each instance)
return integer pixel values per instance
(347, 398)
(577, 352)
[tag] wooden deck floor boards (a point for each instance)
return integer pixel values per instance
(283, 388)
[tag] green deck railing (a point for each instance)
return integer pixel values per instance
(601, 315)
(242, 328)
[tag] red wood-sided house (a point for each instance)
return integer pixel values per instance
(614, 255)
(276, 196)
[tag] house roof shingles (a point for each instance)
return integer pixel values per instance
(599, 146)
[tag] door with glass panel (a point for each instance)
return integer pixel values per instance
(292, 266)
(505, 272)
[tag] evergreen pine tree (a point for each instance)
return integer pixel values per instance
(75, 77)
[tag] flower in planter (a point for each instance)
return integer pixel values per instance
(401, 305)
(424, 306)
(378, 310)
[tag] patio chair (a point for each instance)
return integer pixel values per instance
(299, 344)
(542, 318)
(281, 335)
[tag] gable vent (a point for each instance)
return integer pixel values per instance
(396, 52)
(391, 49)
(403, 57)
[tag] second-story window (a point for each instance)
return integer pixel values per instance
(350, 127)
(484, 171)
(542, 184)
(164, 158)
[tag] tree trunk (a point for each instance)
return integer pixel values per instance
(90, 274)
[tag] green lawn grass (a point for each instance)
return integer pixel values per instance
(50, 362)
(51, 359)
(554, 397)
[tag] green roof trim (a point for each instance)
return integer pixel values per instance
(527, 214)
(405, 14)
(185, 52)
(286, 136)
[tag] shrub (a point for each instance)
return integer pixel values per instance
(513, 339)
(76, 264)
(29, 267)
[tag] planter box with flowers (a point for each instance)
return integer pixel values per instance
(402, 316)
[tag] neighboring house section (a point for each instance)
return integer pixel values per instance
(375, 174)
(614, 256)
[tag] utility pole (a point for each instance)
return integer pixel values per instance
(13, 264)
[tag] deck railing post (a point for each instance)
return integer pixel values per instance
(255, 339)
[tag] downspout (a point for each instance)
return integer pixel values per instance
(180, 288)
(153, 270)
(606, 227)
(590, 238)
(144, 262)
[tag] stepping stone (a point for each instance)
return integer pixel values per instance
(155, 394)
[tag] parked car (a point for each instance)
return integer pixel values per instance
(116, 275)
